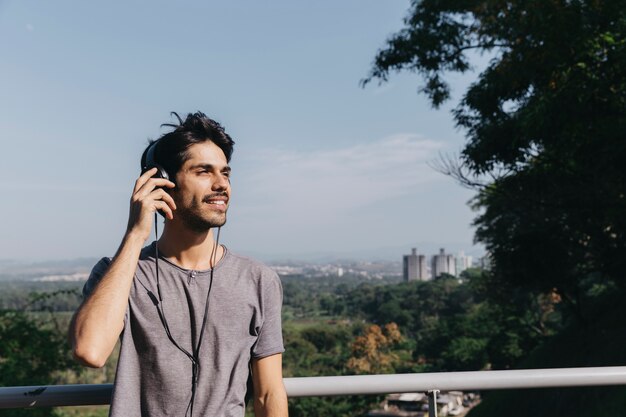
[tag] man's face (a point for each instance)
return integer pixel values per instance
(202, 188)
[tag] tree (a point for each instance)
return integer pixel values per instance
(545, 124)
(30, 354)
(372, 352)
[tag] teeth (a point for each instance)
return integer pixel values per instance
(220, 203)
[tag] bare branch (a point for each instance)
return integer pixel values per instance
(452, 166)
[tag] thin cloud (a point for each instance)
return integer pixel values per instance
(340, 179)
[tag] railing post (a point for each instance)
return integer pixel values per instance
(432, 403)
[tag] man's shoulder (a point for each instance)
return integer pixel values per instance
(250, 264)
(96, 274)
(148, 252)
(264, 280)
(101, 267)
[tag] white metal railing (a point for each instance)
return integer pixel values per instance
(66, 395)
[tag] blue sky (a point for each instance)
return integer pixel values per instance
(321, 165)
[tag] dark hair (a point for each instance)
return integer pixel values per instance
(170, 150)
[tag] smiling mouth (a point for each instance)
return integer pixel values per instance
(217, 198)
(218, 202)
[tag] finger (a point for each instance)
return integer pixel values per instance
(143, 178)
(161, 194)
(151, 184)
(162, 205)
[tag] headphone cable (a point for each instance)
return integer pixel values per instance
(195, 357)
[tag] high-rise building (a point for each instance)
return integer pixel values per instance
(424, 272)
(414, 267)
(463, 262)
(410, 266)
(443, 264)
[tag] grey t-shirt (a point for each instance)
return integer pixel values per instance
(154, 377)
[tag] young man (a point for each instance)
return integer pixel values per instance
(195, 320)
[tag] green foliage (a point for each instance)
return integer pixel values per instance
(316, 350)
(466, 353)
(31, 353)
(322, 348)
(38, 296)
(545, 122)
(307, 297)
(83, 411)
(456, 325)
(33, 345)
(351, 406)
(599, 343)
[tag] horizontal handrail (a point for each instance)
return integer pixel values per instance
(98, 394)
(455, 381)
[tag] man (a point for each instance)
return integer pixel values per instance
(195, 320)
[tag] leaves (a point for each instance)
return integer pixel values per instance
(30, 354)
(372, 352)
(545, 120)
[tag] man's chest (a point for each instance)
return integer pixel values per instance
(229, 310)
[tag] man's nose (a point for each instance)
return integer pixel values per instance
(221, 183)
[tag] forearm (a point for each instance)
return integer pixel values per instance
(272, 404)
(99, 321)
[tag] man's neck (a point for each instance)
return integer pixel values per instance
(189, 249)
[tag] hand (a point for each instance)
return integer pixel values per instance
(148, 197)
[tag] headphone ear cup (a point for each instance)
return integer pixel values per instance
(149, 162)
(161, 172)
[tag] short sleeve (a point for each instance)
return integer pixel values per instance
(96, 275)
(270, 339)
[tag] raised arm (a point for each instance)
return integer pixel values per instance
(99, 320)
(270, 397)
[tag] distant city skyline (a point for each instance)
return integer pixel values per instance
(321, 168)
(79, 269)
(425, 267)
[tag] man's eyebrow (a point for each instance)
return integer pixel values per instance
(210, 167)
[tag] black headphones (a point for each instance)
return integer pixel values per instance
(150, 162)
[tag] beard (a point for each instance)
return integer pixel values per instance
(199, 220)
